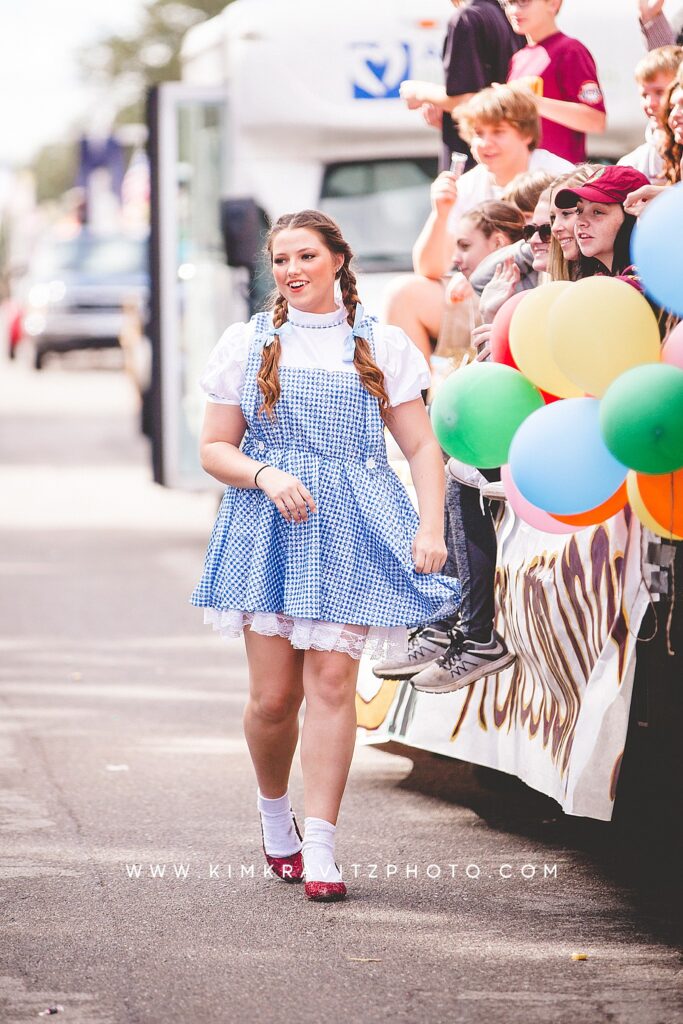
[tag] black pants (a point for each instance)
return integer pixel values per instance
(472, 549)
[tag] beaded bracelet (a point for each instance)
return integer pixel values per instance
(260, 470)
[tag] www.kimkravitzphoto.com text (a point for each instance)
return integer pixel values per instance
(182, 870)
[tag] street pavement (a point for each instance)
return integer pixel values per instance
(127, 801)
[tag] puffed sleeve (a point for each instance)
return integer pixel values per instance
(223, 377)
(405, 369)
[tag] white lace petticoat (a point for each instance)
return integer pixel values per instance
(304, 634)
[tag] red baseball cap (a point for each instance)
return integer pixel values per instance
(608, 185)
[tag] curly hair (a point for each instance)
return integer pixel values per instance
(671, 151)
(329, 232)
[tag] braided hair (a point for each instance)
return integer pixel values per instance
(328, 230)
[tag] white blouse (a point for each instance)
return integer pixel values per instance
(317, 340)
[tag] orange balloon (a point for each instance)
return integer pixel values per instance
(600, 513)
(642, 513)
(663, 498)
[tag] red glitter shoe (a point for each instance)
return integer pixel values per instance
(325, 892)
(289, 869)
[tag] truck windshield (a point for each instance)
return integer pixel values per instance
(381, 206)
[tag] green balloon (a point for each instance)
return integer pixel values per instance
(478, 409)
(641, 418)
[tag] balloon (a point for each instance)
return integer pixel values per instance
(535, 517)
(559, 460)
(672, 352)
(600, 329)
(500, 332)
(478, 409)
(641, 418)
(597, 515)
(657, 248)
(663, 498)
(645, 517)
(529, 340)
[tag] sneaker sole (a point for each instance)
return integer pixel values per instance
(408, 671)
(478, 673)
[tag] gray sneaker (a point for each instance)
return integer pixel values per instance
(463, 663)
(424, 647)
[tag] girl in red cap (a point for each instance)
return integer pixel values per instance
(603, 228)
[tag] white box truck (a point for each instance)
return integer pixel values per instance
(287, 104)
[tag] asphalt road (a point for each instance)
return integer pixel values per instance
(127, 803)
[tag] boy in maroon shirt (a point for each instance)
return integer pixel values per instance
(562, 74)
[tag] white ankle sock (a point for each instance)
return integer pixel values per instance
(318, 851)
(279, 834)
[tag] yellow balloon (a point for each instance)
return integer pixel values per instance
(601, 329)
(643, 513)
(529, 340)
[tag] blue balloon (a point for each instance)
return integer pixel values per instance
(559, 460)
(657, 249)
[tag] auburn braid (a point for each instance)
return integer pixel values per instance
(329, 232)
(371, 377)
(268, 377)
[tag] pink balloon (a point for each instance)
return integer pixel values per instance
(532, 515)
(672, 352)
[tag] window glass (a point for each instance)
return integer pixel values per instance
(381, 206)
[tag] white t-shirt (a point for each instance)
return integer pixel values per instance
(317, 340)
(479, 185)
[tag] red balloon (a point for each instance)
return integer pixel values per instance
(672, 352)
(500, 338)
(500, 332)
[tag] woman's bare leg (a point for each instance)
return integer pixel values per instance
(271, 723)
(416, 304)
(329, 730)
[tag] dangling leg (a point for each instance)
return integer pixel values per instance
(271, 728)
(327, 743)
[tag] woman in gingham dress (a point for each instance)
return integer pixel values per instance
(317, 553)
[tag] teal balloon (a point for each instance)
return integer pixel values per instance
(559, 461)
(657, 249)
(478, 410)
(641, 418)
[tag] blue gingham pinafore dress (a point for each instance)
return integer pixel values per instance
(351, 562)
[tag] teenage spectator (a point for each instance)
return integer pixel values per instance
(525, 190)
(562, 76)
(511, 269)
(672, 119)
(502, 127)
(418, 302)
(477, 50)
(654, 75)
(672, 152)
(654, 24)
(603, 228)
(563, 259)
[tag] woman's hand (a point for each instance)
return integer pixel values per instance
(429, 551)
(444, 192)
(500, 288)
(287, 493)
(637, 201)
(481, 340)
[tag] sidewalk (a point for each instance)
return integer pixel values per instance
(127, 801)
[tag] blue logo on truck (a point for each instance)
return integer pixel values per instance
(379, 69)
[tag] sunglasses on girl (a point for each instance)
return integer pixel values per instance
(543, 231)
